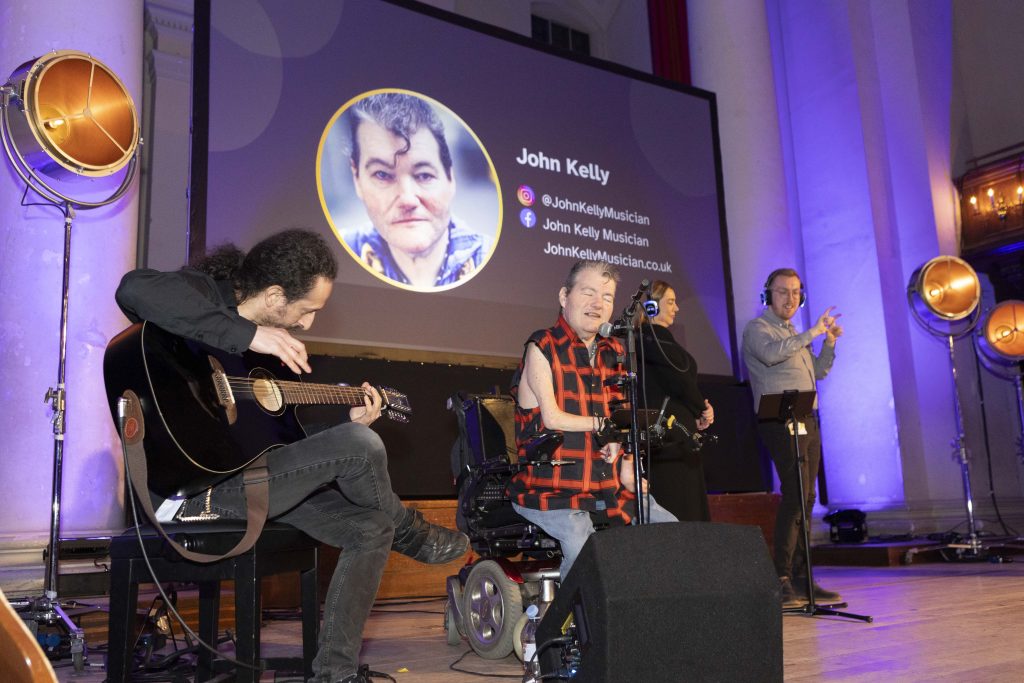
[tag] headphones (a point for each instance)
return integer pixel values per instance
(650, 304)
(766, 291)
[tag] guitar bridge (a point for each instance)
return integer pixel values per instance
(222, 389)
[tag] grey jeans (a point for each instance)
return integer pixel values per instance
(335, 487)
(572, 528)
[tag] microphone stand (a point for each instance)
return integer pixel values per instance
(629, 384)
(786, 407)
(632, 444)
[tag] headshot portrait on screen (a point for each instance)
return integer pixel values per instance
(409, 190)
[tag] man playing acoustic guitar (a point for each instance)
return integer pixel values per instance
(334, 484)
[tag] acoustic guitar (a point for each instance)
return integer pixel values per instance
(209, 413)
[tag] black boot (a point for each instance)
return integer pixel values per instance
(426, 542)
(364, 675)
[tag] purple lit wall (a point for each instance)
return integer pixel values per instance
(834, 120)
(31, 262)
(869, 111)
(836, 179)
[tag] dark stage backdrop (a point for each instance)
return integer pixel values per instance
(555, 159)
(419, 451)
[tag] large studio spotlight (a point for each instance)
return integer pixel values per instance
(1000, 338)
(65, 118)
(1000, 345)
(943, 296)
(944, 290)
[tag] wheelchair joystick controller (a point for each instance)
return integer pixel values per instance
(538, 450)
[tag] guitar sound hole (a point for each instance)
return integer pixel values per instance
(267, 395)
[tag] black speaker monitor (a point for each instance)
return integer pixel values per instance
(687, 601)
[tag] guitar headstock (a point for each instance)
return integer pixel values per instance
(395, 404)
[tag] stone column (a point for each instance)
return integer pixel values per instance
(163, 229)
(730, 55)
(31, 266)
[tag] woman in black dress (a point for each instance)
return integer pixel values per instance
(677, 474)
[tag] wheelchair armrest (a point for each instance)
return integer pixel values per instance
(500, 467)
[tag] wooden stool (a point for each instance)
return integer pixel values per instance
(280, 548)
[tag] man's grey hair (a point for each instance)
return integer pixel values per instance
(603, 267)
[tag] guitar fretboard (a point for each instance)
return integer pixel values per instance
(299, 393)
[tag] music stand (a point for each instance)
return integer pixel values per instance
(789, 407)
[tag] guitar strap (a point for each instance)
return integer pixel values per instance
(257, 488)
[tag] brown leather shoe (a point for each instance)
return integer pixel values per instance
(428, 543)
(821, 595)
(790, 598)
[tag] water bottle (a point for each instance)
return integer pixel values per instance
(531, 666)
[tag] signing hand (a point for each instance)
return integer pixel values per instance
(610, 452)
(833, 333)
(627, 477)
(277, 341)
(825, 321)
(367, 413)
(707, 416)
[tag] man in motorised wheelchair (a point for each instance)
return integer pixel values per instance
(565, 480)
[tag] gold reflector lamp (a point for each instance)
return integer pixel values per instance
(1001, 335)
(71, 116)
(946, 288)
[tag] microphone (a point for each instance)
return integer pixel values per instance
(625, 321)
(616, 329)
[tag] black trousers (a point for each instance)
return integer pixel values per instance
(677, 481)
(790, 557)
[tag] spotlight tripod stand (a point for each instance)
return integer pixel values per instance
(786, 407)
(20, 94)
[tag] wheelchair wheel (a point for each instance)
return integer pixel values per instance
(491, 606)
(451, 629)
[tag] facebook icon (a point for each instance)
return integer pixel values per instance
(528, 218)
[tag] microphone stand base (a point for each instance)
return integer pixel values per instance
(815, 610)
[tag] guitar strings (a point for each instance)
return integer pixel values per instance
(247, 386)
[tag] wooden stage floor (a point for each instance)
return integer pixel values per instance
(932, 622)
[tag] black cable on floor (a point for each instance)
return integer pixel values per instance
(453, 667)
(988, 449)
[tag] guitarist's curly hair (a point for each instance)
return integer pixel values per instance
(292, 259)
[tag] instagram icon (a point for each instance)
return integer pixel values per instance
(525, 195)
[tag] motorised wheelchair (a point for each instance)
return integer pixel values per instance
(518, 563)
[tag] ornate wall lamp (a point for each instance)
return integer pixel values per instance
(992, 204)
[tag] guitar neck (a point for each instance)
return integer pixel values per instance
(301, 393)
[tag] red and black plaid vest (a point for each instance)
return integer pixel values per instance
(588, 483)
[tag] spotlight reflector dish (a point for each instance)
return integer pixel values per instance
(1001, 335)
(73, 116)
(945, 287)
